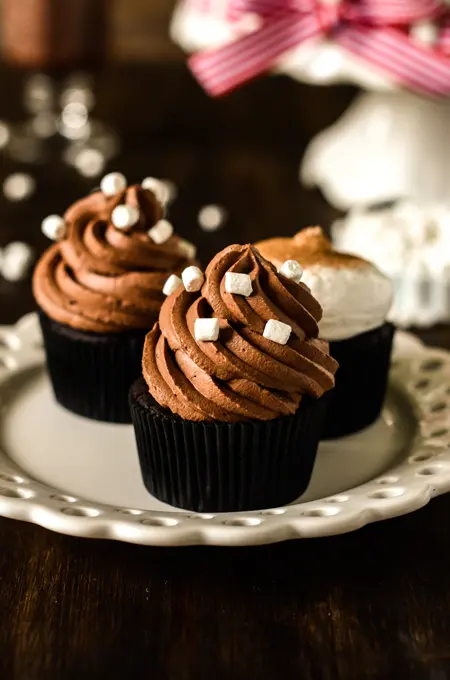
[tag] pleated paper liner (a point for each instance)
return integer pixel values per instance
(221, 467)
(361, 381)
(91, 373)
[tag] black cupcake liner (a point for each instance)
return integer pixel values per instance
(222, 467)
(91, 373)
(361, 381)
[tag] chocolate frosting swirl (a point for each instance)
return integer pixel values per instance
(102, 279)
(242, 375)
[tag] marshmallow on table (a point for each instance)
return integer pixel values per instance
(239, 284)
(172, 283)
(192, 278)
(206, 330)
(54, 227)
(157, 187)
(277, 331)
(125, 216)
(161, 232)
(291, 269)
(16, 261)
(112, 183)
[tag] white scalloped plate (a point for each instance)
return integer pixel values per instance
(82, 478)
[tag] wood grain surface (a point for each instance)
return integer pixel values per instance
(374, 604)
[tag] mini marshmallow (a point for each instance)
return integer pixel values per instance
(161, 232)
(54, 227)
(277, 331)
(125, 216)
(112, 183)
(192, 278)
(16, 261)
(291, 269)
(206, 330)
(187, 248)
(239, 284)
(157, 187)
(172, 283)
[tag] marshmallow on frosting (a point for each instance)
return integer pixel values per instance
(354, 294)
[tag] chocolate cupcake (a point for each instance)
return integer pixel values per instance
(355, 297)
(100, 288)
(229, 410)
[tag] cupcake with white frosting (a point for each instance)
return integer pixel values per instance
(355, 297)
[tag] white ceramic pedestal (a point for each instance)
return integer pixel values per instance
(386, 145)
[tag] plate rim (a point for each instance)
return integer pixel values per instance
(407, 486)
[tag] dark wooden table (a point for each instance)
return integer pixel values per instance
(372, 604)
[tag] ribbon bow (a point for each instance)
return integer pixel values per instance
(375, 31)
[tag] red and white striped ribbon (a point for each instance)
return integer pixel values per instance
(375, 31)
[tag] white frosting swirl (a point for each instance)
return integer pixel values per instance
(354, 299)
